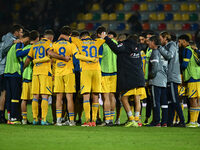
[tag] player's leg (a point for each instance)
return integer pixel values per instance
(126, 105)
(2, 106)
(164, 107)
(148, 106)
(112, 106)
(118, 109)
(106, 106)
(59, 103)
(70, 107)
(95, 107)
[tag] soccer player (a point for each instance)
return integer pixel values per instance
(170, 53)
(13, 74)
(27, 74)
(191, 75)
(130, 78)
(109, 80)
(64, 75)
(42, 80)
(90, 73)
(8, 40)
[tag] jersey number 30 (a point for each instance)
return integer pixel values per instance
(92, 51)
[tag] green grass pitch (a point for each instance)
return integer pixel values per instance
(29, 137)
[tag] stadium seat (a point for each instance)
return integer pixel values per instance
(145, 26)
(126, 0)
(127, 27)
(119, 7)
(89, 26)
(120, 16)
(112, 26)
(186, 26)
(105, 25)
(88, 16)
(151, 7)
(121, 26)
(17, 6)
(127, 16)
(143, 7)
(127, 7)
(175, 7)
(153, 26)
(80, 16)
(184, 7)
(193, 17)
(95, 7)
(177, 17)
(166, 0)
(185, 17)
(73, 25)
(96, 25)
(135, 7)
(152, 16)
(161, 16)
(149, 0)
(170, 26)
(192, 7)
(144, 16)
(177, 26)
(160, 7)
(96, 16)
(168, 17)
(167, 7)
(112, 16)
(162, 26)
(194, 26)
(81, 26)
(104, 16)
(190, 35)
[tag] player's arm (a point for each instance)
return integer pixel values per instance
(42, 60)
(78, 56)
(57, 56)
(29, 58)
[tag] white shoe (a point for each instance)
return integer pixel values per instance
(72, 123)
(58, 124)
(66, 123)
(117, 122)
(24, 122)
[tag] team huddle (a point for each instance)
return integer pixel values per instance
(77, 69)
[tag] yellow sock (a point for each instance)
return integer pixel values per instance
(137, 116)
(130, 116)
(112, 115)
(132, 108)
(24, 115)
(35, 109)
(196, 114)
(107, 115)
(192, 114)
(95, 107)
(86, 108)
(58, 113)
(182, 106)
(44, 107)
(175, 116)
(71, 116)
(99, 110)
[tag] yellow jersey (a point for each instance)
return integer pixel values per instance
(39, 51)
(64, 48)
(89, 48)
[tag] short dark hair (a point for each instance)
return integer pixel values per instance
(155, 39)
(84, 33)
(34, 35)
(26, 33)
(113, 33)
(100, 29)
(143, 34)
(75, 33)
(16, 27)
(184, 37)
(66, 30)
(133, 37)
(166, 35)
(49, 32)
(173, 36)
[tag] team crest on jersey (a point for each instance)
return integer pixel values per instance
(61, 64)
(121, 44)
(50, 44)
(38, 64)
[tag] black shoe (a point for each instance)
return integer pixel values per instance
(3, 120)
(98, 122)
(180, 125)
(170, 125)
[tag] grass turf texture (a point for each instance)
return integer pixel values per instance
(30, 137)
